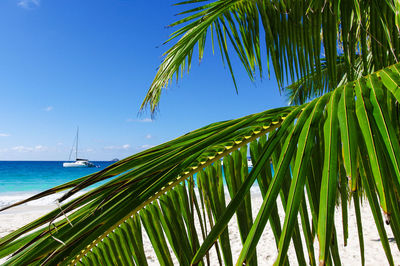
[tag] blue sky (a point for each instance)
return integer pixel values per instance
(69, 63)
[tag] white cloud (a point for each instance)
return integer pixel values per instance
(126, 146)
(21, 148)
(116, 147)
(144, 120)
(28, 4)
(49, 108)
(4, 135)
(148, 136)
(40, 148)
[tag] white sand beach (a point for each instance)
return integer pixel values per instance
(267, 252)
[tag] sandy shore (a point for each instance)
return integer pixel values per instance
(267, 252)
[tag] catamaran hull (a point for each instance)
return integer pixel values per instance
(78, 165)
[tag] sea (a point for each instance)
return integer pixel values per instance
(22, 179)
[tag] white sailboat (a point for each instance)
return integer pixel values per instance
(79, 162)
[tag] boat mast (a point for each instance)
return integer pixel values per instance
(76, 149)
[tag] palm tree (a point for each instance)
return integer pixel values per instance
(339, 142)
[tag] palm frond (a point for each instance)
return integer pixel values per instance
(296, 35)
(314, 85)
(346, 132)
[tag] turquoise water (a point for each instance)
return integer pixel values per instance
(22, 179)
(35, 176)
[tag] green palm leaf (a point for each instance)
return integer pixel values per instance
(100, 218)
(293, 32)
(344, 141)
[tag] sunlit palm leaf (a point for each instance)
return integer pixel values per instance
(353, 131)
(103, 212)
(97, 215)
(295, 32)
(133, 187)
